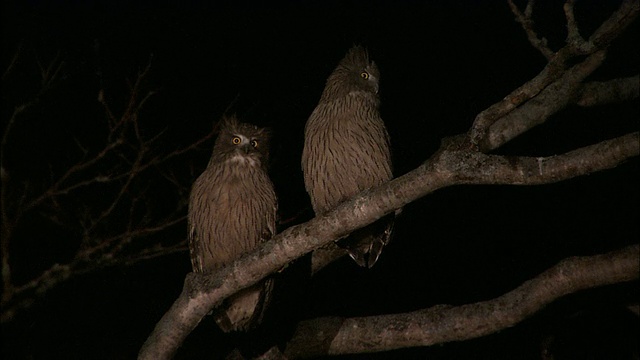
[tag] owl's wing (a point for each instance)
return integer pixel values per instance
(267, 285)
(246, 309)
(269, 228)
(194, 247)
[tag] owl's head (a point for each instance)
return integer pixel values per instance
(241, 143)
(355, 72)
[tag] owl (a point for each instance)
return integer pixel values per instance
(232, 209)
(346, 149)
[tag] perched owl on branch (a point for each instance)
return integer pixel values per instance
(346, 149)
(232, 209)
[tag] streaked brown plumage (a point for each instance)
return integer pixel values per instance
(232, 209)
(346, 149)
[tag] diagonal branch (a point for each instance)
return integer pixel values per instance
(450, 166)
(607, 92)
(556, 67)
(615, 24)
(444, 323)
(553, 98)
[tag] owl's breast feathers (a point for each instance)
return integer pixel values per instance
(346, 150)
(231, 211)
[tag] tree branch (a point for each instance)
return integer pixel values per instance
(607, 92)
(615, 24)
(450, 166)
(552, 99)
(443, 323)
(457, 162)
(599, 40)
(527, 25)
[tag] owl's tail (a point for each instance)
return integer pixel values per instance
(365, 245)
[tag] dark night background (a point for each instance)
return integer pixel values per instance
(441, 63)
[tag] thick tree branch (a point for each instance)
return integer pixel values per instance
(455, 163)
(478, 168)
(615, 24)
(607, 92)
(450, 166)
(605, 154)
(443, 323)
(552, 99)
(324, 256)
(599, 40)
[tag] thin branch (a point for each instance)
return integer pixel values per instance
(57, 189)
(444, 323)
(131, 174)
(527, 24)
(96, 251)
(49, 74)
(154, 252)
(118, 241)
(12, 63)
(106, 252)
(87, 260)
(574, 39)
(48, 77)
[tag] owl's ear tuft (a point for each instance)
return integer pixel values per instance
(229, 121)
(265, 133)
(357, 55)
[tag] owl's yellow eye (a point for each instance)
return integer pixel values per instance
(236, 140)
(364, 75)
(254, 143)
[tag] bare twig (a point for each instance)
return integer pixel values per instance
(573, 33)
(133, 155)
(527, 24)
(12, 63)
(49, 73)
(48, 77)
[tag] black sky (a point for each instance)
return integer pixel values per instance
(441, 63)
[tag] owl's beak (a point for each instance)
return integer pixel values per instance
(245, 148)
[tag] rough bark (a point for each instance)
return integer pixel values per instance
(442, 323)
(450, 166)
(460, 160)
